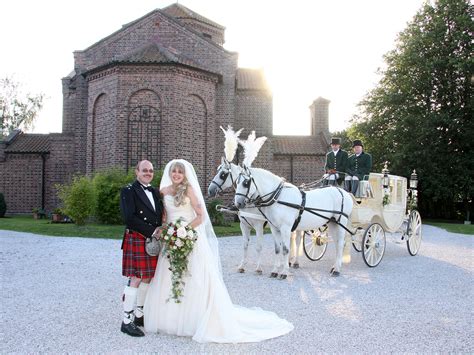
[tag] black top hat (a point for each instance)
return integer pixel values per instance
(357, 142)
(335, 140)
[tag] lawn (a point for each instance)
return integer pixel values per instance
(93, 230)
(452, 227)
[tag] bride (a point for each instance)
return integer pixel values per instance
(206, 312)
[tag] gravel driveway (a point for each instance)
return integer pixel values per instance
(64, 295)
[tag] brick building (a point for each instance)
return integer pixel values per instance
(158, 88)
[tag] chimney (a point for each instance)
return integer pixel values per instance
(320, 117)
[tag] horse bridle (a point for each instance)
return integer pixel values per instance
(223, 176)
(247, 183)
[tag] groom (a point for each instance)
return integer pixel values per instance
(142, 211)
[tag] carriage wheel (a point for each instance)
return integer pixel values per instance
(315, 244)
(357, 242)
(373, 245)
(414, 232)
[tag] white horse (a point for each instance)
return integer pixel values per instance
(281, 204)
(226, 178)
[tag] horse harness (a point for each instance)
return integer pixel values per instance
(263, 201)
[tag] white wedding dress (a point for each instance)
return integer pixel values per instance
(206, 312)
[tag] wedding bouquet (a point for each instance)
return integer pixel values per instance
(178, 242)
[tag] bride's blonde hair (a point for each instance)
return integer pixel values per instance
(182, 188)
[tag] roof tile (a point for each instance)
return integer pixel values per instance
(179, 11)
(299, 145)
(29, 143)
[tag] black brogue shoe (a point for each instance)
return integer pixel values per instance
(139, 321)
(132, 330)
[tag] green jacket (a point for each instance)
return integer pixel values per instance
(359, 165)
(337, 162)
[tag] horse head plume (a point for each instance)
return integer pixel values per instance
(231, 142)
(251, 148)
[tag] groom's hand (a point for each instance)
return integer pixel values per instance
(157, 232)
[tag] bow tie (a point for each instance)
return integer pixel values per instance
(149, 188)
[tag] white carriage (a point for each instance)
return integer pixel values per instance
(384, 204)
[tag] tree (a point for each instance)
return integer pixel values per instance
(420, 114)
(17, 110)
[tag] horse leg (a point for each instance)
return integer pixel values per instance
(245, 228)
(259, 232)
(299, 248)
(338, 233)
(293, 248)
(277, 240)
(285, 233)
(346, 255)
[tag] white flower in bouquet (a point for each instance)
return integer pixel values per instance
(190, 234)
(181, 232)
(179, 243)
(170, 231)
(166, 237)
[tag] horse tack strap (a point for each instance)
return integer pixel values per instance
(246, 221)
(268, 220)
(272, 197)
(301, 210)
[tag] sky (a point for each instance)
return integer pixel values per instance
(307, 48)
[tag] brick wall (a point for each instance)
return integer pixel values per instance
(75, 102)
(299, 169)
(254, 111)
(319, 110)
(21, 177)
(59, 166)
(181, 103)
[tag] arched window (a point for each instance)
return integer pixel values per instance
(143, 134)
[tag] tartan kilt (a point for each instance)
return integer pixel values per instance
(136, 262)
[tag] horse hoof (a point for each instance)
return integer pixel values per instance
(241, 270)
(334, 273)
(289, 264)
(258, 272)
(296, 266)
(282, 277)
(273, 274)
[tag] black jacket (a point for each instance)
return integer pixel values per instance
(337, 162)
(137, 212)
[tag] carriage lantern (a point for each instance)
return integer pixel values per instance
(385, 179)
(413, 180)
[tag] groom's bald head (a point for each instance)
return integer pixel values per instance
(138, 166)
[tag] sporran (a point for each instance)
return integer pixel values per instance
(153, 246)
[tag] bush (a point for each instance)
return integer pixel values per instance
(78, 199)
(216, 217)
(3, 206)
(107, 186)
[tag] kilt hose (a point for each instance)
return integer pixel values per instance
(136, 262)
